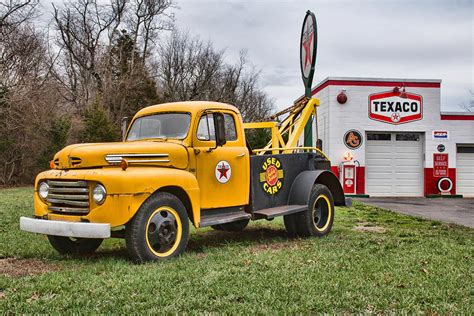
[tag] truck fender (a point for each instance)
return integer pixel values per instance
(144, 182)
(301, 188)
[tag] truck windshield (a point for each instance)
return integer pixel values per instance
(163, 126)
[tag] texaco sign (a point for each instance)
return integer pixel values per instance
(391, 107)
(308, 47)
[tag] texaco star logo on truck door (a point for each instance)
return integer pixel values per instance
(223, 171)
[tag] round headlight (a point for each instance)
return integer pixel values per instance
(43, 190)
(99, 193)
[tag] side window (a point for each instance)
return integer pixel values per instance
(230, 131)
(205, 129)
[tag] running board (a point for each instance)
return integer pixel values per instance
(270, 213)
(211, 217)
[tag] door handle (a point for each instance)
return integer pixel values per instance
(241, 155)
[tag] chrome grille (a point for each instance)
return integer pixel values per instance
(68, 196)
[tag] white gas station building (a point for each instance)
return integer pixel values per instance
(388, 137)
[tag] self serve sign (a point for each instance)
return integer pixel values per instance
(395, 108)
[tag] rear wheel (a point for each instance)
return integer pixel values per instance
(78, 246)
(317, 220)
(159, 230)
(233, 226)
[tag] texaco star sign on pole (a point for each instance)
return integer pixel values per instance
(308, 47)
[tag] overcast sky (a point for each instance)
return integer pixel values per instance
(389, 39)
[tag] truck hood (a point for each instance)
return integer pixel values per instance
(163, 154)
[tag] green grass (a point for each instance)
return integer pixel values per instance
(414, 266)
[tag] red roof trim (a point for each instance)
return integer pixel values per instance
(447, 117)
(335, 82)
(376, 84)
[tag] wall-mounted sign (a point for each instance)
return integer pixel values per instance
(308, 47)
(440, 165)
(395, 107)
(440, 135)
(353, 139)
(441, 148)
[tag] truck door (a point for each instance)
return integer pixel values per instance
(223, 173)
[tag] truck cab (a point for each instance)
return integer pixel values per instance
(178, 163)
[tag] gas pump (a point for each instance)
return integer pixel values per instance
(347, 173)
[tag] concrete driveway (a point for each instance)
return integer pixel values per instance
(457, 211)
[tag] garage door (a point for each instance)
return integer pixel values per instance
(394, 164)
(465, 171)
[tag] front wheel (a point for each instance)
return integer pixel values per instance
(159, 230)
(77, 246)
(317, 220)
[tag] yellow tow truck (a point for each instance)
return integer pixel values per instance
(178, 163)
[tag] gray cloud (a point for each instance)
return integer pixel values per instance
(408, 39)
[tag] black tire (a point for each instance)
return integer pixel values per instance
(317, 220)
(74, 246)
(159, 230)
(290, 225)
(233, 226)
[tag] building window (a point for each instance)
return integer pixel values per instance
(465, 149)
(411, 137)
(379, 136)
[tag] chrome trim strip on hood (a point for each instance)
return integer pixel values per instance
(146, 158)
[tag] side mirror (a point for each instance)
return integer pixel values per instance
(219, 127)
(124, 126)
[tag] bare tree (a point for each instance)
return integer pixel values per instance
(97, 64)
(87, 32)
(129, 85)
(82, 27)
(145, 18)
(14, 13)
(190, 69)
(469, 107)
(17, 41)
(28, 98)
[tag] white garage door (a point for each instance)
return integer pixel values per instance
(465, 171)
(394, 164)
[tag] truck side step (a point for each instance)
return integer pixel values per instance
(270, 213)
(221, 216)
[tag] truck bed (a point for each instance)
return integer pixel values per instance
(273, 175)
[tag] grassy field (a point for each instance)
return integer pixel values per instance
(373, 261)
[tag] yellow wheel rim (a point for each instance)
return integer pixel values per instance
(164, 230)
(322, 212)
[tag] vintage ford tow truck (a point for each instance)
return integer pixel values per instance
(179, 163)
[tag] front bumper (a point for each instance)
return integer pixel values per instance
(66, 229)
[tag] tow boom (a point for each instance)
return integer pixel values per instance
(290, 128)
